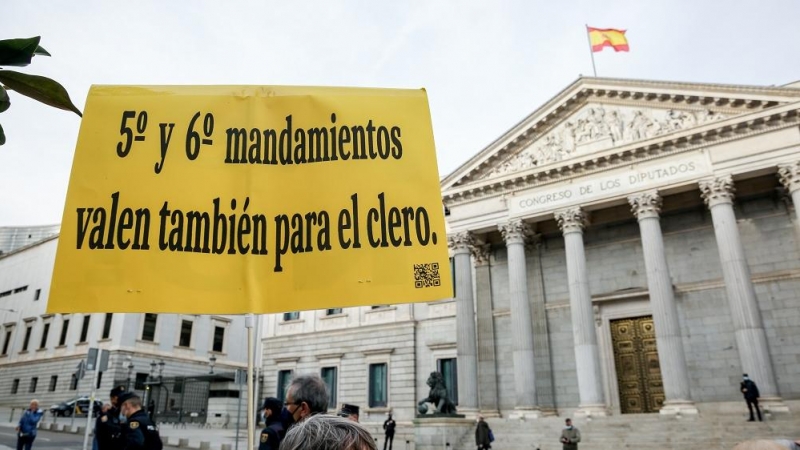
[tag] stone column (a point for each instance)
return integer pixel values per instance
(487, 366)
(789, 175)
(587, 359)
(751, 339)
(646, 207)
(515, 233)
(466, 339)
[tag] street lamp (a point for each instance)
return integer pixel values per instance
(212, 361)
(130, 370)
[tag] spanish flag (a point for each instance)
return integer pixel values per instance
(607, 37)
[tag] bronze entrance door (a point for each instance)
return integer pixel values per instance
(636, 361)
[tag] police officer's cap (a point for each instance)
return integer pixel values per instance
(117, 391)
(125, 396)
(348, 410)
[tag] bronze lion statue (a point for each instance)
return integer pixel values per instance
(437, 396)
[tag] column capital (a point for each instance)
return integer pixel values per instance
(461, 242)
(645, 205)
(481, 252)
(717, 191)
(515, 232)
(572, 220)
(789, 174)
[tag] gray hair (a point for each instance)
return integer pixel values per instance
(327, 432)
(310, 389)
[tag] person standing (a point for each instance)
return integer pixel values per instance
(388, 426)
(570, 436)
(482, 435)
(750, 392)
(26, 428)
(107, 427)
(138, 433)
(273, 432)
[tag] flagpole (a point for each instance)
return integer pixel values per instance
(591, 52)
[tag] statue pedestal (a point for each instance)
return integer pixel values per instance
(434, 431)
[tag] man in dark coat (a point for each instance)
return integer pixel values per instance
(107, 427)
(139, 433)
(750, 392)
(388, 426)
(482, 434)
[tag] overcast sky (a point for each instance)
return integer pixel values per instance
(485, 65)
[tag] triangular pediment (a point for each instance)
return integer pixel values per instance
(594, 115)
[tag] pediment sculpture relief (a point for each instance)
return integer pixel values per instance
(597, 128)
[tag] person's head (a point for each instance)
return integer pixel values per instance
(745, 377)
(105, 407)
(114, 395)
(305, 396)
(271, 409)
(326, 432)
(34, 406)
(568, 422)
(349, 412)
(129, 403)
(480, 418)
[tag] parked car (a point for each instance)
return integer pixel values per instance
(65, 409)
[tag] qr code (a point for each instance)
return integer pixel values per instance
(426, 275)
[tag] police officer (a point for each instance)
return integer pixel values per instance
(272, 434)
(139, 433)
(107, 426)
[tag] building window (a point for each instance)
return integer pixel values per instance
(53, 383)
(45, 332)
(294, 315)
(177, 387)
(377, 385)
(27, 339)
(37, 295)
(328, 375)
(15, 386)
(32, 387)
(141, 379)
(107, 325)
(7, 342)
(85, 328)
(149, 328)
(73, 383)
(284, 378)
(333, 311)
(186, 334)
(449, 369)
(62, 340)
(219, 339)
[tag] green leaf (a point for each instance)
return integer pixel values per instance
(41, 51)
(2, 136)
(18, 52)
(4, 101)
(39, 88)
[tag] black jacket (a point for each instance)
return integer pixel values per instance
(272, 435)
(108, 430)
(749, 390)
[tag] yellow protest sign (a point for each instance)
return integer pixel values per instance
(251, 199)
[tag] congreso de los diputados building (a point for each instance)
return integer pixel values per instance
(630, 247)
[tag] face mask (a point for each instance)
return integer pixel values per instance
(287, 418)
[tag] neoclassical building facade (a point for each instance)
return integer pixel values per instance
(634, 248)
(629, 247)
